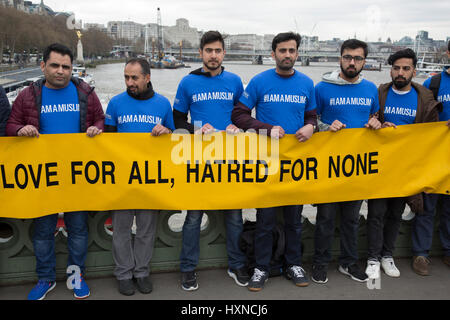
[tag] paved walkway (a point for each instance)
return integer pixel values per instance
(217, 285)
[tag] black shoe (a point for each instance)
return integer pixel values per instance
(354, 272)
(144, 285)
(240, 276)
(298, 275)
(258, 279)
(319, 274)
(189, 281)
(126, 287)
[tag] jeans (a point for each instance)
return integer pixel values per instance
(266, 220)
(190, 251)
(132, 255)
(324, 232)
(44, 243)
(422, 233)
(383, 223)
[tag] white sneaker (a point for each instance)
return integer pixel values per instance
(373, 269)
(388, 265)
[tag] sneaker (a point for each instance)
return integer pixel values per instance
(388, 265)
(240, 276)
(319, 274)
(126, 287)
(353, 272)
(144, 285)
(189, 281)
(421, 265)
(83, 291)
(298, 275)
(41, 289)
(258, 279)
(373, 269)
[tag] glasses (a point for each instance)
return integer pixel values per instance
(349, 58)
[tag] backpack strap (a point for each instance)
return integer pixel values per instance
(435, 84)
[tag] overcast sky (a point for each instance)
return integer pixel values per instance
(328, 19)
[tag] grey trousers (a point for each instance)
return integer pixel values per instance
(132, 256)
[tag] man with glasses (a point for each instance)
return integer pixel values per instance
(344, 100)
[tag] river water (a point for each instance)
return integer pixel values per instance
(109, 81)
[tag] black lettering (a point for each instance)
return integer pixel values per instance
(246, 170)
(233, 171)
(16, 176)
(266, 170)
(135, 173)
(334, 166)
(219, 170)
(109, 172)
(282, 169)
(361, 164)
(6, 185)
(192, 170)
(208, 172)
(312, 167)
(297, 162)
(160, 179)
(373, 162)
(36, 179)
(147, 180)
(74, 171)
(344, 168)
(49, 173)
(97, 172)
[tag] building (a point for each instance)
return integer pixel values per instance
(181, 32)
(125, 30)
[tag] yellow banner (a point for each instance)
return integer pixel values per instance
(71, 172)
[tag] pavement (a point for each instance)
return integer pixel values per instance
(217, 285)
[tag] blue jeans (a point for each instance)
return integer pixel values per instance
(325, 229)
(190, 251)
(266, 220)
(44, 242)
(423, 226)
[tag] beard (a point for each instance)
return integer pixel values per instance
(284, 65)
(351, 72)
(212, 65)
(401, 82)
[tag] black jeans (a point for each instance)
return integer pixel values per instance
(383, 223)
(266, 220)
(324, 232)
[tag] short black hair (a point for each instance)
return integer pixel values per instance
(405, 53)
(59, 48)
(355, 44)
(285, 36)
(145, 66)
(210, 37)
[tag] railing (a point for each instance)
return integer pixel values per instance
(17, 261)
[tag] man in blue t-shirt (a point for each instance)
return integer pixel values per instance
(209, 94)
(57, 104)
(401, 102)
(344, 100)
(139, 109)
(422, 233)
(285, 104)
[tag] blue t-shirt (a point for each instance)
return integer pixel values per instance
(60, 112)
(280, 101)
(209, 99)
(351, 104)
(443, 94)
(401, 108)
(132, 115)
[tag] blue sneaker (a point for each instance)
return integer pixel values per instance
(83, 291)
(41, 289)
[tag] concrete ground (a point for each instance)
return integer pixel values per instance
(217, 285)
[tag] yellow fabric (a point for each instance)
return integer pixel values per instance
(71, 172)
